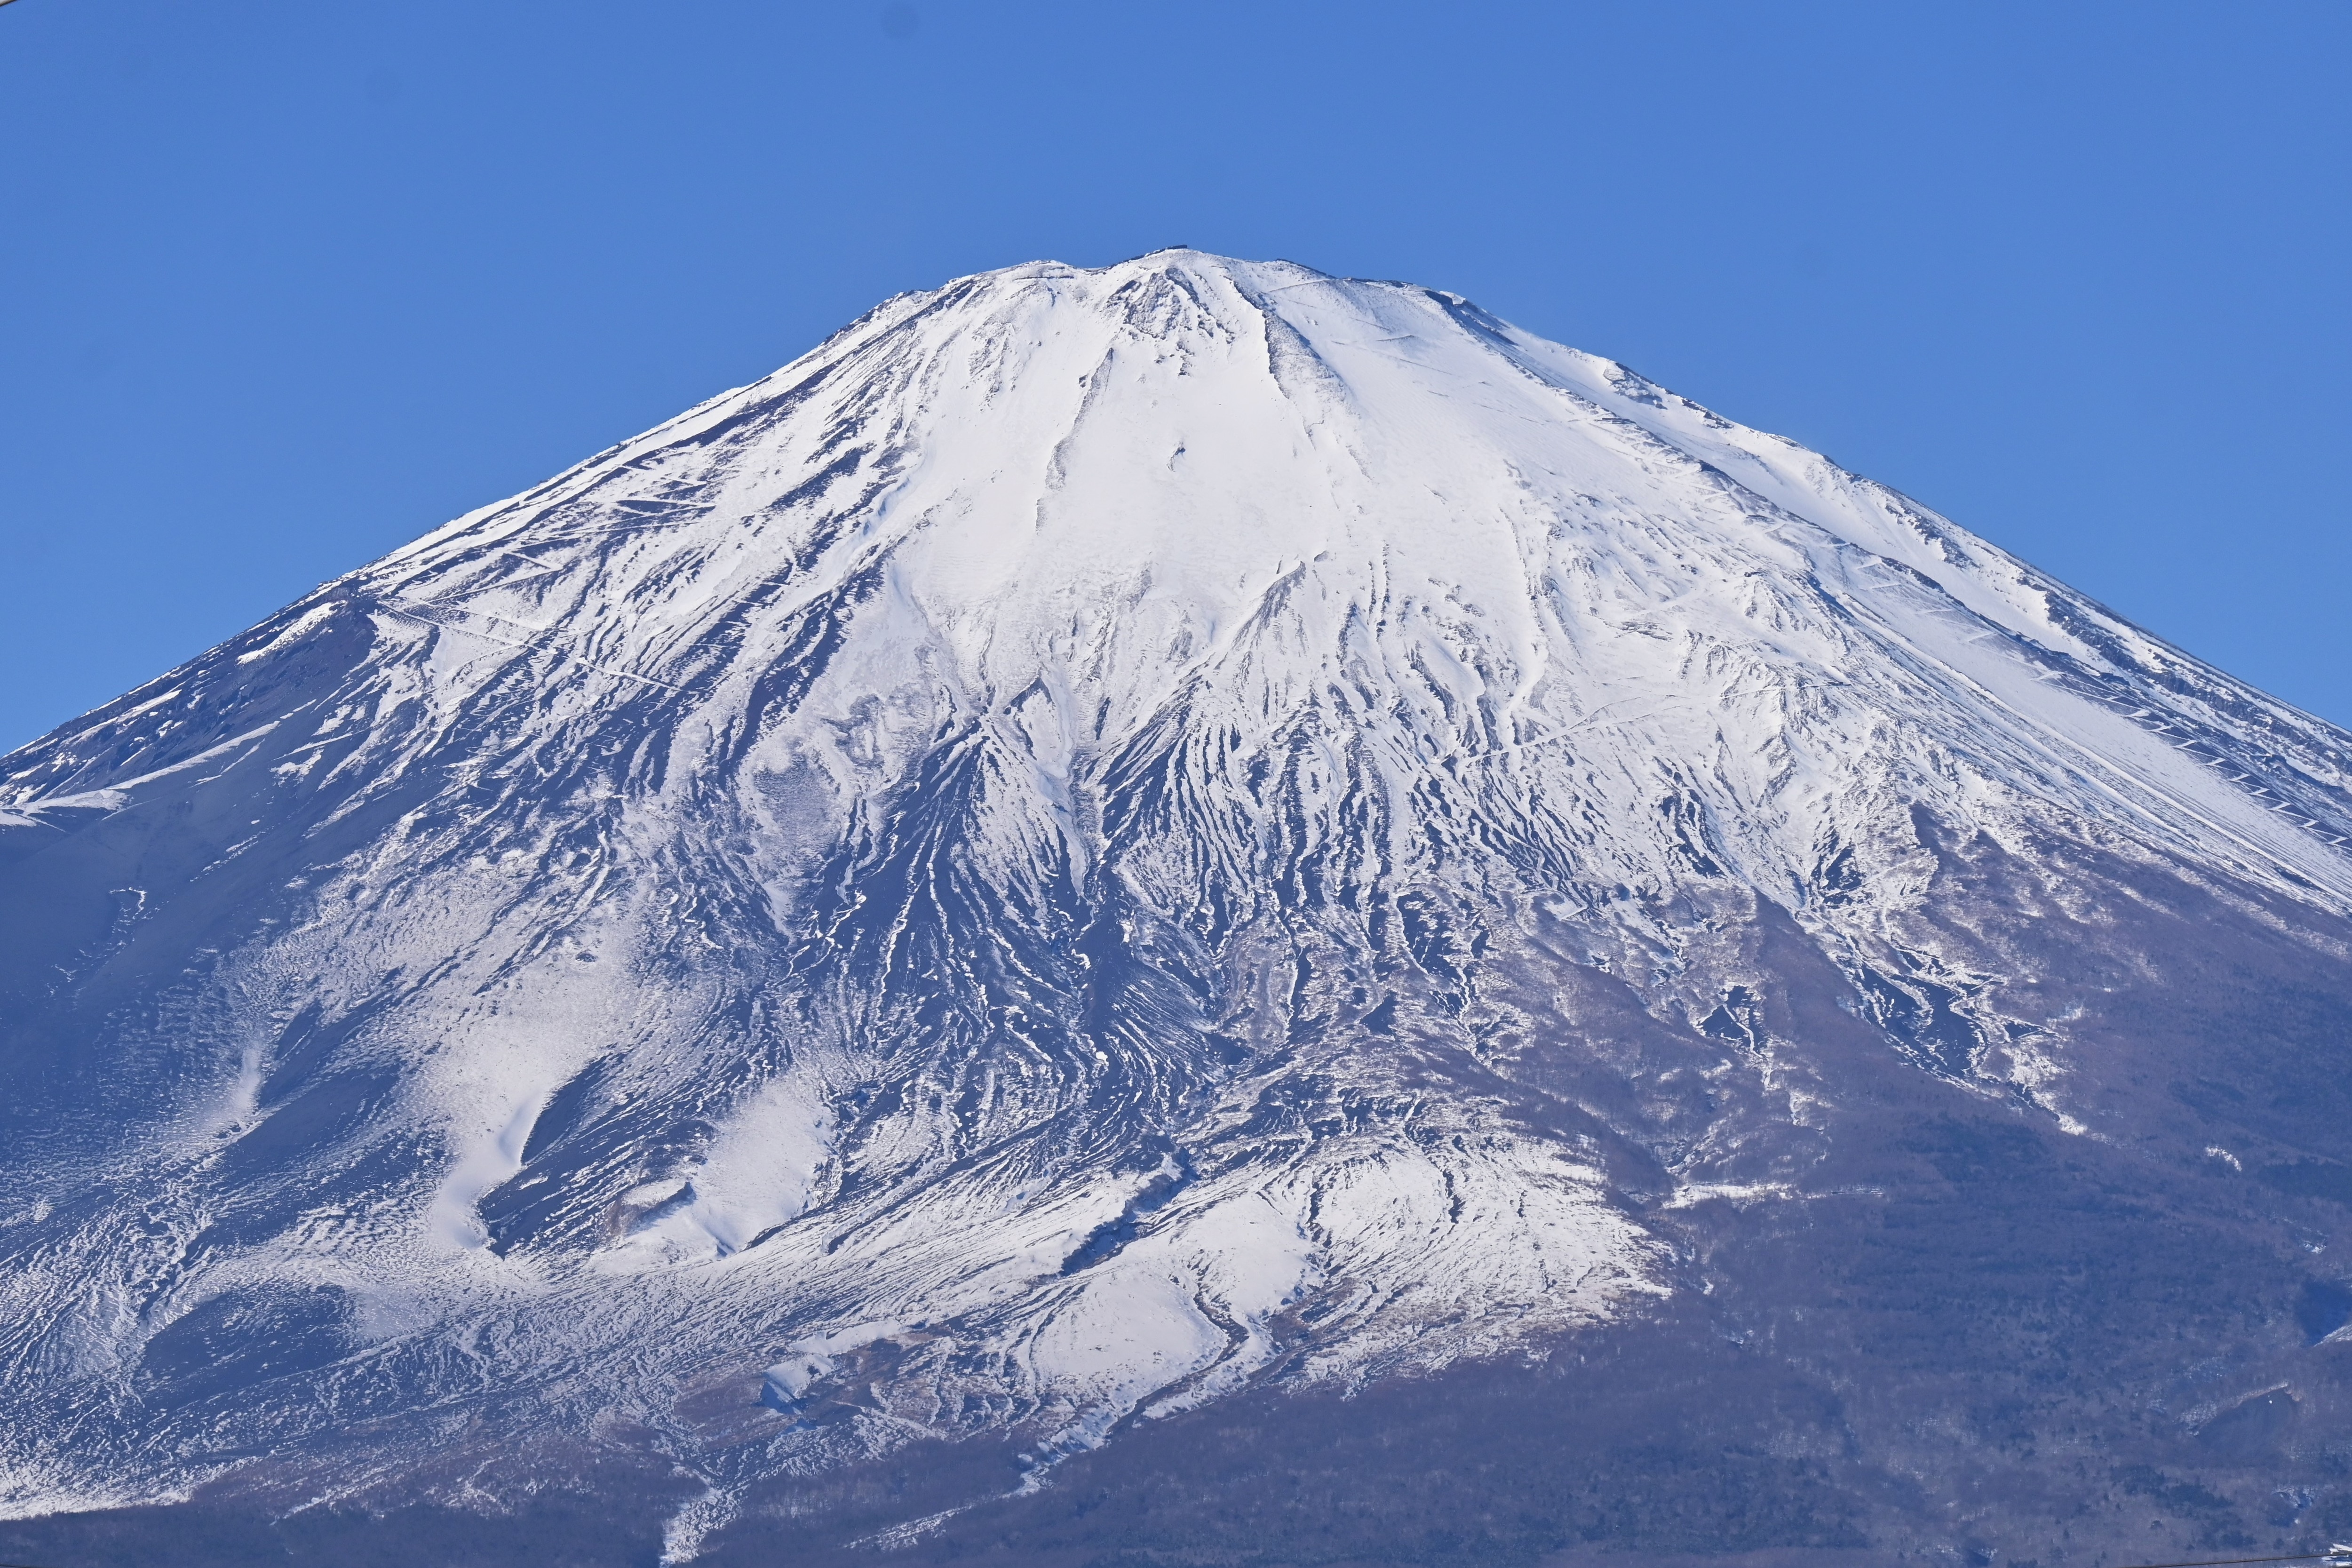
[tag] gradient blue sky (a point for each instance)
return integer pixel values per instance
(284, 284)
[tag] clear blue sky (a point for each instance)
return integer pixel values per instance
(285, 283)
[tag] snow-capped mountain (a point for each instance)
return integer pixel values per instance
(1108, 842)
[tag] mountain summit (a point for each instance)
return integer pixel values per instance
(1187, 880)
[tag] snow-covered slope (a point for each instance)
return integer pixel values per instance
(1031, 870)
